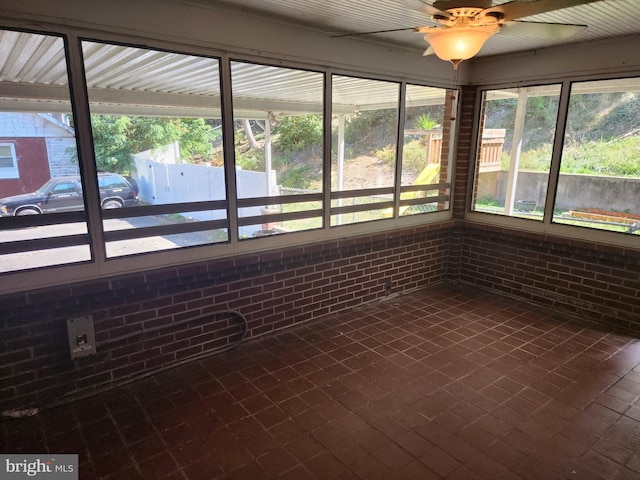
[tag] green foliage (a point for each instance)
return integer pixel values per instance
(425, 122)
(602, 115)
(116, 138)
(296, 133)
(252, 160)
(296, 176)
(372, 128)
(614, 158)
(488, 201)
(540, 119)
(386, 154)
(414, 155)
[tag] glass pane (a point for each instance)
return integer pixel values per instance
(156, 123)
(599, 183)
(514, 155)
(425, 147)
(278, 146)
(40, 176)
(364, 142)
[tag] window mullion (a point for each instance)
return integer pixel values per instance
(554, 170)
(229, 148)
(84, 140)
(399, 150)
(326, 150)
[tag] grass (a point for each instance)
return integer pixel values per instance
(610, 158)
(493, 207)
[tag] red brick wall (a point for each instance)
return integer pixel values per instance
(281, 288)
(272, 290)
(596, 283)
(33, 166)
(464, 151)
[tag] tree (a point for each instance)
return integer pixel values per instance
(116, 138)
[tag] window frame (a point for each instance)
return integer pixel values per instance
(546, 226)
(100, 265)
(107, 236)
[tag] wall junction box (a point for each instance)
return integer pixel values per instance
(82, 341)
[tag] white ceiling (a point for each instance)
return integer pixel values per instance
(144, 82)
(604, 19)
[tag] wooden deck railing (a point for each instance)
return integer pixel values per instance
(490, 149)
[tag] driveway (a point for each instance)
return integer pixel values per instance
(60, 256)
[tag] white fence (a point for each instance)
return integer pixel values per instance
(161, 180)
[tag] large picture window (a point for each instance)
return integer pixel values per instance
(363, 154)
(132, 150)
(42, 217)
(599, 181)
(425, 150)
(516, 137)
(156, 123)
(278, 148)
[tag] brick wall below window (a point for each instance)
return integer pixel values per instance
(273, 290)
(282, 288)
(594, 282)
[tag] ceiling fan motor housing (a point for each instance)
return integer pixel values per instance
(447, 4)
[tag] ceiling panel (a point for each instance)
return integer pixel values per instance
(604, 19)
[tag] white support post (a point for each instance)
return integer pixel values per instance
(340, 161)
(516, 148)
(267, 154)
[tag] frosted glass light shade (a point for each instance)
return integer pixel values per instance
(459, 43)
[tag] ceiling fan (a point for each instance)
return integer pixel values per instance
(463, 26)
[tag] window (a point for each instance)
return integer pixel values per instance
(158, 147)
(153, 175)
(278, 139)
(363, 154)
(599, 181)
(516, 136)
(8, 161)
(425, 150)
(42, 218)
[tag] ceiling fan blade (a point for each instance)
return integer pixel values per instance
(355, 34)
(428, 51)
(550, 31)
(420, 6)
(520, 9)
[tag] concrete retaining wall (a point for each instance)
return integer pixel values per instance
(574, 191)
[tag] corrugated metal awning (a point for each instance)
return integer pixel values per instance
(135, 81)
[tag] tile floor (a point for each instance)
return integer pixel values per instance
(442, 383)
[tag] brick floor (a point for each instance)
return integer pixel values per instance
(442, 383)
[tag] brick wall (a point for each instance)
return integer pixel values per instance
(281, 288)
(33, 166)
(593, 282)
(272, 290)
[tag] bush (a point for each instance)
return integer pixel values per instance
(298, 133)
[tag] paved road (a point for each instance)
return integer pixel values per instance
(59, 256)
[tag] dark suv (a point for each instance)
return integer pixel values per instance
(61, 194)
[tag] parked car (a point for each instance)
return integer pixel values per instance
(61, 194)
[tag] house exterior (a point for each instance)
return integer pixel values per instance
(34, 147)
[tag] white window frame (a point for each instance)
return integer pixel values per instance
(10, 172)
(546, 226)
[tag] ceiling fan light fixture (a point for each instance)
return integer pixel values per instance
(456, 44)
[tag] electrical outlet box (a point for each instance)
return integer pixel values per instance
(82, 340)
